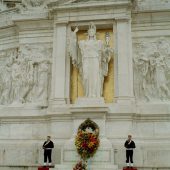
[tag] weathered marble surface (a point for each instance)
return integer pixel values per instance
(35, 79)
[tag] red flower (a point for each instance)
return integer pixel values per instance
(84, 145)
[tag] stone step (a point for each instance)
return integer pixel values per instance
(146, 168)
(22, 167)
(92, 167)
(70, 167)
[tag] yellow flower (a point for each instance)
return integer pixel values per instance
(91, 144)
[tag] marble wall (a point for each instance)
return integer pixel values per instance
(35, 78)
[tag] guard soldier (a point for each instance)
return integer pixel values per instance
(129, 145)
(48, 146)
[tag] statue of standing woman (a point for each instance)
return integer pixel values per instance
(91, 57)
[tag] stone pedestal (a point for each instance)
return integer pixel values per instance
(90, 101)
(104, 157)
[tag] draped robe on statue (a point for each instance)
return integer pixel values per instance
(91, 67)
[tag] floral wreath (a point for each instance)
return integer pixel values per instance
(87, 139)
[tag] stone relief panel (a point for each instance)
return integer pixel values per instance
(27, 4)
(152, 69)
(9, 4)
(151, 4)
(34, 4)
(21, 9)
(25, 75)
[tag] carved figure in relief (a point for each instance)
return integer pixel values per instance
(142, 64)
(160, 77)
(42, 90)
(6, 77)
(157, 55)
(25, 77)
(38, 69)
(16, 81)
(91, 57)
(6, 84)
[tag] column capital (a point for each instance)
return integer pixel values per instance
(63, 22)
(122, 18)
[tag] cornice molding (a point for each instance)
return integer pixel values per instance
(90, 4)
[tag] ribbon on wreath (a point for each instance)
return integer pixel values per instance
(89, 164)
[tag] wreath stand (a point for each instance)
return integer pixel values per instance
(104, 157)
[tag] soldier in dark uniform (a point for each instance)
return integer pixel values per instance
(129, 145)
(48, 146)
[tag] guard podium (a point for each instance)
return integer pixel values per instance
(129, 168)
(45, 167)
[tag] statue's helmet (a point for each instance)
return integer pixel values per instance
(92, 29)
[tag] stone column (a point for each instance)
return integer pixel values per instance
(123, 62)
(59, 65)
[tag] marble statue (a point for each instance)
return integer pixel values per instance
(91, 57)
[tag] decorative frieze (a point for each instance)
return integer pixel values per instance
(25, 76)
(151, 69)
